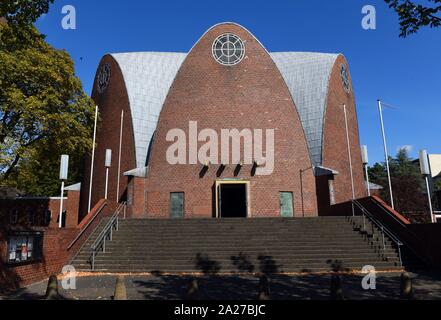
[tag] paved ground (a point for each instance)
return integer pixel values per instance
(301, 287)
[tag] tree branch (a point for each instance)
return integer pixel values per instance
(11, 167)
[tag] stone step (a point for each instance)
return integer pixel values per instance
(255, 251)
(174, 252)
(233, 226)
(235, 244)
(192, 261)
(213, 253)
(321, 219)
(312, 267)
(226, 263)
(140, 232)
(294, 244)
(356, 248)
(250, 247)
(216, 231)
(242, 241)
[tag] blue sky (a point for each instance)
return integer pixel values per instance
(403, 72)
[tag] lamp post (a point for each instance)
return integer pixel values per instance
(365, 159)
(425, 171)
(64, 168)
(107, 164)
(380, 109)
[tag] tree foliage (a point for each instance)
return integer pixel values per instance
(413, 15)
(409, 189)
(23, 12)
(437, 184)
(44, 111)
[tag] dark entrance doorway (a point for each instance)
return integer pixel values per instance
(233, 201)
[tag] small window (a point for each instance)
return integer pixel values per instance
(177, 205)
(31, 216)
(25, 247)
(286, 204)
(13, 217)
(47, 217)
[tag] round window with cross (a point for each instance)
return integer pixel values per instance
(103, 78)
(228, 49)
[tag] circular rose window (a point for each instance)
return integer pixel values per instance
(345, 78)
(103, 78)
(228, 49)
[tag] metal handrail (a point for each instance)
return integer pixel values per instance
(408, 231)
(389, 214)
(384, 230)
(87, 225)
(107, 232)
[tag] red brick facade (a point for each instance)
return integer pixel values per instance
(335, 147)
(55, 240)
(38, 207)
(57, 247)
(250, 95)
(55, 256)
(111, 103)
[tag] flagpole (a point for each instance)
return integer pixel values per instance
(386, 154)
(349, 151)
(93, 159)
(119, 156)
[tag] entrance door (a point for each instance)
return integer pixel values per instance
(232, 200)
(286, 205)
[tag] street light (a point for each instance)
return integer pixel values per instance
(380, 109)
(107, 164)
(64, 168)
(365, 159)
(425, 171)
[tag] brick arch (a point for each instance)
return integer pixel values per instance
(110, 102)
(250, 95)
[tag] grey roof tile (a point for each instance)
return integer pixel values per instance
(149, 75)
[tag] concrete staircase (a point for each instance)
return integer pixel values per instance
(243, 246)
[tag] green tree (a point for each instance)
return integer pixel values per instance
(44, 111)
(23, 12)
(408, 185)
(415, 16)
(437, 185)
